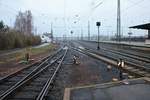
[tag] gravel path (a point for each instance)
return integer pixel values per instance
(89, 71)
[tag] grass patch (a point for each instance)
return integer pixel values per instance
(42, 49)
(20, 55)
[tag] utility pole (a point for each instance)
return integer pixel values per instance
(65, 24)
(52, 31)
(88, 30)
(35, 30)
(81, 33)
(130, 33)
(118, 21)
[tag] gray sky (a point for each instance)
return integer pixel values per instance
(63, 14)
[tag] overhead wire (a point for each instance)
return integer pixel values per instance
(123, 11)
(11, 9)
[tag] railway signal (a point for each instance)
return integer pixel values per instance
(130, 33)
(98, 24)
(71, 35)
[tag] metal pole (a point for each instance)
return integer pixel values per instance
(98, 47)
(89, 30)
(129, 39)
(65, 24)
(130, 33)
(81, 33)
(118, 22)
(148, 34)
(52, 31)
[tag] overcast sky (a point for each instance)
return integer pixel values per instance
(64, 13)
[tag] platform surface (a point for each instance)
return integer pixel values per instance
(135, 89)
(145, 44)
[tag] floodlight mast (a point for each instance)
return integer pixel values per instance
(118, 22)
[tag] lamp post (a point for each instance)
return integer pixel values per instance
(81, 34)
(88, 30)
(98, 24)
(52, 32)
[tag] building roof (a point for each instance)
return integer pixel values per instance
(142, 26)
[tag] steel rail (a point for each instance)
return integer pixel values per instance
(126, 61)
(113, 61)
(135, 53)
(34, 64)
(27, 67)
(143, 59)
(127, 54)
(18, 84)
(50, 80)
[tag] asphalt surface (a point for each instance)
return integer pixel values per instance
(134, 90)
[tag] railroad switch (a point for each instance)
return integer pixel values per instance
(114, 79)
(27, 58)
(109, 67)
(76, 60)
(120, 65)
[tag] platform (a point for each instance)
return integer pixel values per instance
(134, 89)
(125, 43)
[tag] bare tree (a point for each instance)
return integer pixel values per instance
(24, 22)
(29, 21)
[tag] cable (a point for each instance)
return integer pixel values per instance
(12, 10)
(100, 3)
(123, 11)
(134, 4)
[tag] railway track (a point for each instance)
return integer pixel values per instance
(132, 52)
(129, 57)
(130, 68)
(35, 82)
(29, 67)
(12, 79)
